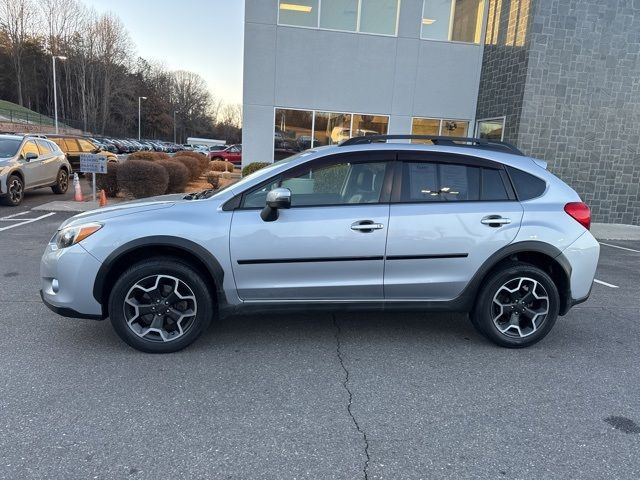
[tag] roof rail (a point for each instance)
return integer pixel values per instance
(484, 143)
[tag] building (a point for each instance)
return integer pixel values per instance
(558, 78)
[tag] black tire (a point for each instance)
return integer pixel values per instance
(62, 182)
(145, 271)
(15, 191)
(510, 320)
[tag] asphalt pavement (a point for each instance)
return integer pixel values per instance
(313, 396)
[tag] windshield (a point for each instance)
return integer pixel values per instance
(9, 147)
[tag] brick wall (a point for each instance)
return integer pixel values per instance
(579, 104)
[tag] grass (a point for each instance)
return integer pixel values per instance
(14, 112)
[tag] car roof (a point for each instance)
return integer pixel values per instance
(12, 136)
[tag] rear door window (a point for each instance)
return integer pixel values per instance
(439, 182)
(527, 186)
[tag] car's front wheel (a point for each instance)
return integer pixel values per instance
(62, 182)
(15, 191)
(160, 305)
(517, 306)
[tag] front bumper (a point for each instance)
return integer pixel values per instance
(67, 278)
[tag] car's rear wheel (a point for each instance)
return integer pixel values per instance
(517, 306)
(15, 191)
(62, 182)
(160, 305)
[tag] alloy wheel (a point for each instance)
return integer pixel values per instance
(63, 180)
(16, 191)
(160, 308)
(520, 307)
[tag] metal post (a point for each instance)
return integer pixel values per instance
(139, 116)
(55, 94)
(94, 186)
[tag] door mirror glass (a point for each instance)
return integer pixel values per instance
(30, 156)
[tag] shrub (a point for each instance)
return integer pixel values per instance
(162, 156)
(214, 179)
(203, 160)
(143, 156)
(178, 175)
(221, 166)
(109, 181)
(253, 167)
(141, 178)
(192, 165)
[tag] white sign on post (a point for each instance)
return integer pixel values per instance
(93, 163)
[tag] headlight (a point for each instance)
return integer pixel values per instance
(71, 235)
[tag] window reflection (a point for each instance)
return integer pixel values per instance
(456, 20)
(364, 125)
(292, 132)
(300, 13)
(331, 128)
(339, 15)
(492, 128)
(454, 128)
(441, 127)
(379, 16)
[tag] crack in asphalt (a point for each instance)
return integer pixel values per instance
(345, 385)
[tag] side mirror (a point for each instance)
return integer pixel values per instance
(276, 199)
(31, 156)
(96, 150)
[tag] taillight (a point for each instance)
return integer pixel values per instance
(580, 212)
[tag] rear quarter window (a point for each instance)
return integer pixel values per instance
(527, 186)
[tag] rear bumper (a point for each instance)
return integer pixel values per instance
(582, 255)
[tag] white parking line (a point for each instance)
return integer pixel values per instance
(621, 248)
(610, 285)
(24, 222)
(12, 218)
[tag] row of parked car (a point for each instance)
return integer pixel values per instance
(129, 145)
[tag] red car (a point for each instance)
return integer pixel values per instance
(233, 154)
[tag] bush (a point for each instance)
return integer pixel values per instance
(253, 167)
(203, 160)
(178, 175)
(214, 179)
(221, 166)
(162, 156)
(141, 178)
(143, 156)
(192, 164)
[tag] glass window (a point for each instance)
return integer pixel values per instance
(334, 184)
(339, 15)
(379, 16)
(69, 145)
(454, 128)
(364, 125)
(492, 129)
(43, 147)
(86, 146)
(292, 132)
(331, 128)
(425, 126)
(29, 147)
(457, 20)
(439, 182)
(493, 186)
(299, 13)
(527, 186)
(9, 147)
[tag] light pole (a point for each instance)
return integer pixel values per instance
(174, 127)
(140, 115)
(55, 89)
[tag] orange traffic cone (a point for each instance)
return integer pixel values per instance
(77, 190)
(103, 198)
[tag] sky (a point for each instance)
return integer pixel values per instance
(203, 36)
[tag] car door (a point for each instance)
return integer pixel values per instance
(234, 155)
(449, 213)
(72, 149)
(33, 174)
(329, 246)
(49, 163)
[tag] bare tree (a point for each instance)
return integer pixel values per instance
(16, 16)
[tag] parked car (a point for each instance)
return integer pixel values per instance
(73, 147)
(475, 227)
(28, 162)
(233, 154)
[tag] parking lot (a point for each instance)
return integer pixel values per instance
(317, 396)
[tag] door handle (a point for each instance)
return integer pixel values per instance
(495, 221)
(366, 226)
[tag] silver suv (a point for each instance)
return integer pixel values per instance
(28, 162)
(462, 225)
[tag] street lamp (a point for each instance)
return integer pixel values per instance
(55, 89)
(174, 127)
(140, 115)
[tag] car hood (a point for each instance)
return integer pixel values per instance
(125, 208)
